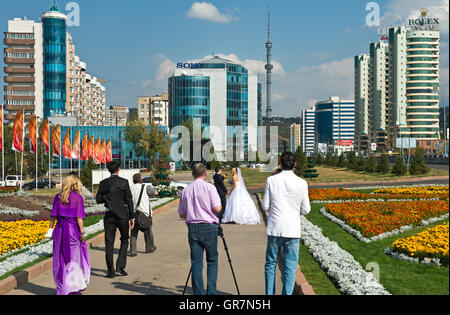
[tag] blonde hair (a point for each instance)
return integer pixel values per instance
(71, 183)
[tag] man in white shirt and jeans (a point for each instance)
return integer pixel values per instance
(286, 199)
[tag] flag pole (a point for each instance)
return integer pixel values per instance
(50, 155)
(23, 147)
(37, 147)
(3, 146)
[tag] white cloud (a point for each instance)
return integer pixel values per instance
(207, 11)
(322, 55)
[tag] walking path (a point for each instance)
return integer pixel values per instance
(165, 271)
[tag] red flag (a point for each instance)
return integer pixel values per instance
(103, 152)
(45, 131)
(1, 128)
(84, 148)
(97, 152)
(91, 148)
(76, 146)
(66, 146)
(108, 152)
(32, 132)
(56, 141)
(18, 127)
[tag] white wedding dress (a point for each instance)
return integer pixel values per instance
(240, 208)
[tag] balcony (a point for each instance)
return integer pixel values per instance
(19, 70)
(20, 79)
(19, 61)
(12, 41)
(19, 98)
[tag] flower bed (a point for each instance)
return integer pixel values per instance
(372, 219)
(348, 274)
(324, 195)
(15, 235)
(439, 191)
(8, 190)
(429, 245)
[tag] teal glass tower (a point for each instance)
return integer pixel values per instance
(54, 61)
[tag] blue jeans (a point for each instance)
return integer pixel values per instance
(290, 248)
(203, 237)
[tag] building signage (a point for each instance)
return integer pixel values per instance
(188, 65)
(424, 20)
(373, 146)
(345, 142)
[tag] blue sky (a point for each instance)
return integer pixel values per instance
(134, 44)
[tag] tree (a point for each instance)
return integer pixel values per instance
(334, 160)
(352, 163)
(383, 166)
(86, 173)
(318, 158)
(362, 163)
(134, 134)
(310, 171)
(372, 164)
(418, 164)
(399, 168)
(300, 160)
(342, 162)
(156, 144)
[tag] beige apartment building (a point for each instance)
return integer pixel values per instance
(117, 116)
(154, 109)
(86, 97)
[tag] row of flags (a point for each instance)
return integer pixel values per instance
(99, 150)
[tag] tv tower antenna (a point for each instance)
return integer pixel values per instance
(269, 68)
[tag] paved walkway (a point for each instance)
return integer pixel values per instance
(165, 271)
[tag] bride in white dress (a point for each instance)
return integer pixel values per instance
(240, 208)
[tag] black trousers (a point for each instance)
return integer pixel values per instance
(112, 223)
(223, 200)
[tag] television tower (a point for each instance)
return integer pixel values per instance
(269, 68)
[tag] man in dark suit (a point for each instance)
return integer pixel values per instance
(221, 189)
(114, 192)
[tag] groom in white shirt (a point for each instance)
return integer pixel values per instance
(286, 199)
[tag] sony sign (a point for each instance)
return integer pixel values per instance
(187, 65)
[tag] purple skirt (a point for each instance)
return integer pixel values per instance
(71, 263)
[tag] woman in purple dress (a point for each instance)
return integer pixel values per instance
(71, 263)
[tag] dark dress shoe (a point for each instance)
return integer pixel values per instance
(149, 251)
(122, 272)
(132, 255)
(110, 275)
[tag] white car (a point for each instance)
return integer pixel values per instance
(14, 181)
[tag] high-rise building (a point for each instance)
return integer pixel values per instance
(159, 110)
(224, 96)
(45, 77)
(295, 137)
(403, 86)
(362, 70)
(335, 121)
(54, 59)
(308, 130)
(378, 93)
(144, 109)
(413, 84)
(23, 69)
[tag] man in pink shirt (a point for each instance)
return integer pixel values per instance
(199, 205)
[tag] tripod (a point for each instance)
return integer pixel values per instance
(229, 261)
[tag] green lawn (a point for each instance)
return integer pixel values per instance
(253, 177)
(398, 277)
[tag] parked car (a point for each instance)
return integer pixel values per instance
(14, 180)
(2, 183)
(42, 184)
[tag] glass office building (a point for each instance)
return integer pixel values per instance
(335, 120)
(122, 150)
(54, 61)
(224, 95)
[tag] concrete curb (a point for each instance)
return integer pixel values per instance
(27, 275)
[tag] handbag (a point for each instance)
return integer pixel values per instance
(142, 221)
